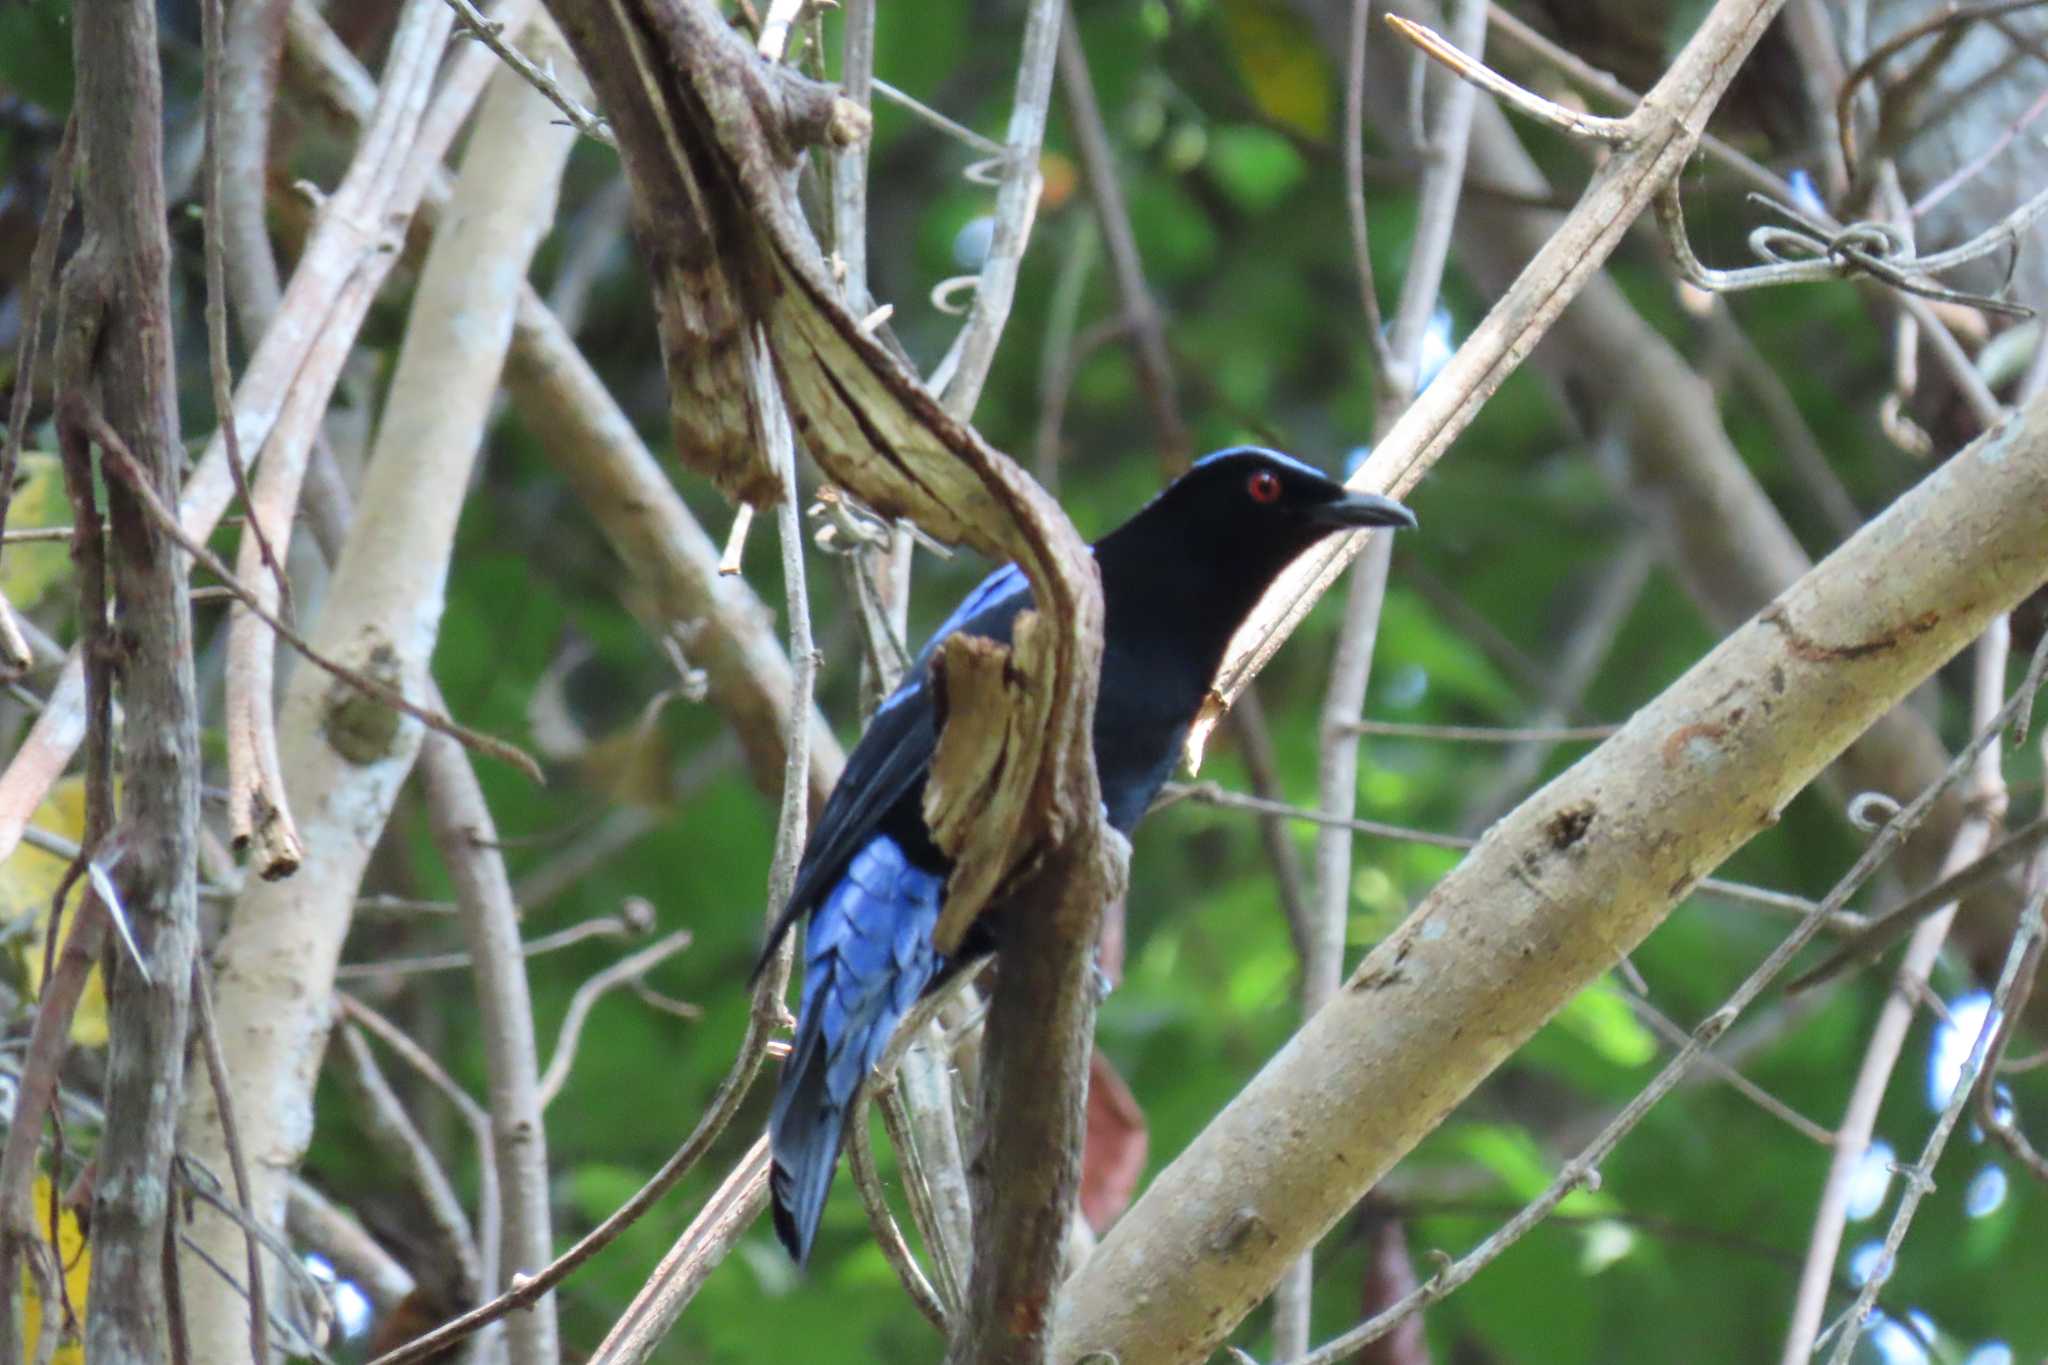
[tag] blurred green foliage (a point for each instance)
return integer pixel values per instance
(1221, 115)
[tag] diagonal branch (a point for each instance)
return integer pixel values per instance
(1557, 892)
(1663, 132)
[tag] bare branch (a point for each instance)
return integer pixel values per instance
(1354, 181)
(1664, 132)
(974, 351)
(345, 758)
(1888, 1035)
(765, 1016)
(468, 841)
(1153, 361)
(1434, 46)
(217, 1076)
(729, 1212)
(625, 971)
(1818, 249)
(1919, 1177)
(491, 34)
(131, 474)
(385, 1122)
(1583, 1170)
(116, 351)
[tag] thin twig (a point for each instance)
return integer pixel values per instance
(1322, 965)
(492, 36)
(1436, 47)
(1016, 207)
(1354, 184)
(1763, 1099)
(460, 821)
(123, 463)
(490, 1204)
(200, 1183)
(224, 1107)
(1788, 424)
(987, 146)
(1918, 1178)
(1571, 669)
(217, 301)
(730, 1211)
(621, 926)
(1210, 794)
(1587, 77)
(949, 1248)
(257, 809)
(889, 1239)
(1950, 15)
(1818, 249)
(384, 1121)
(764, 1017)
(729, 561)
(1146, 329)
(1970, 169)
(626, 970)
(1890, 926)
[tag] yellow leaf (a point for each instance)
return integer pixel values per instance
(29, 570)
(1282, 63)
(77, 1261)
(28, 879)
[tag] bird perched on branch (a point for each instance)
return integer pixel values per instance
(1178, 579)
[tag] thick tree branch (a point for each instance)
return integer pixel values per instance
(1557, 893)
(1710, 517)
(122, 274)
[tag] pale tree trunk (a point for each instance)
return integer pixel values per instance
(345, 757)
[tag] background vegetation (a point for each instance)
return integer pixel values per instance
(1225, 118)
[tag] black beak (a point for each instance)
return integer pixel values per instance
(1356, 510)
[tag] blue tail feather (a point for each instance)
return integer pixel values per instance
(868, 958)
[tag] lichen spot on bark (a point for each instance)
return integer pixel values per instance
(358, 726)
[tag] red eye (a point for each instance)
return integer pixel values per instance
(1263, 486)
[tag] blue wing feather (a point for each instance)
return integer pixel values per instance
(872, 884)
(891, 760)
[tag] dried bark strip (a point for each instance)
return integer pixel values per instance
(708, 157)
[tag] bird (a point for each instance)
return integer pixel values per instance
(1178, 579)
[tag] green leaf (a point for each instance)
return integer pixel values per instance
(1600, 1016)
(30, 570)
(1256, 166)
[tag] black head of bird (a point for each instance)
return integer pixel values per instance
(1183, 573)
